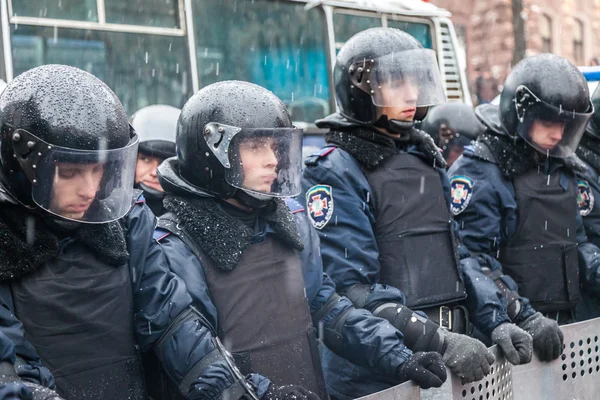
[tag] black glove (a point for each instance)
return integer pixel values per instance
(15, 391)
(515, 343)
(42, 392)
(425, 369)
(467, 357)
(289, 392)
(547, 336)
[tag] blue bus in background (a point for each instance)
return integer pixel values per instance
(163, 51)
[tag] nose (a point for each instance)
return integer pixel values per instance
(155, 165)
(270, 159)
(87, 187)
(411, 93)
(557, 132)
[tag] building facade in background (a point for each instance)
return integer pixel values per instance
(569, 28)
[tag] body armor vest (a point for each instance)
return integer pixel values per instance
(264, 316)
(541, 256)
(77, 312)
(414, 233)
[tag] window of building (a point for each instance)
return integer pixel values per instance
(578, 36)
(277, 45)
(546, 33)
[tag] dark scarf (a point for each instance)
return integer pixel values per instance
(223, 237)
(586, 151)
(515, 157)
(27, 242)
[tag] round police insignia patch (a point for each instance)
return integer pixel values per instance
(585, 198)
(319, 201)
(461, 192)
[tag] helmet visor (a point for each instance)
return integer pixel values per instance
(89, 186)
(409, 78)
(266, 161)
(551, 130)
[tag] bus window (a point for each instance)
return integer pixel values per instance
(278, 45)
(347, 25)
(421, 31)
(81, 10)
(161, 13)
(141, 69)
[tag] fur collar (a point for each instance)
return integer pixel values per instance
(514, 156)
(587, 152)
(224, 238)
(27, 242)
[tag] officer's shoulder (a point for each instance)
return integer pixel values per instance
(471, 164)
(589, 173)
(319, 156)
(294, 205)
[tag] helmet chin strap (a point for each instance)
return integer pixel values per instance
(150, 192)
(254, 201)
(393, 125)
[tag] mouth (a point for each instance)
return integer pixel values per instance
(410, 111)
(269, 178)
(79, 208)
(152, 184)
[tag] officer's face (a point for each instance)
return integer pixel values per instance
(145, 171)
(399, 100)
(259, 164)
(546, 134)
(74, 188)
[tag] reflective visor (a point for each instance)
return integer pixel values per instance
(88, 186)
(266, 161)
(553, 131)
(402, 79)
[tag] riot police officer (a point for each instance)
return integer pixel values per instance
(251, 260)
(452, 126)
(515, 196)
(377, 193)
(588, 195)
(83, 287)
(156, 127)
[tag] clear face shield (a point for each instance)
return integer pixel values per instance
(264, 162)
(404, 80)
(553, 131)
(87, 186)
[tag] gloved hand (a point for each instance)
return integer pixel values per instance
(41, 392)
(515, 343)
(547, 336)
(15, 391)
(288, 392)
(425, 369)
(467, 357)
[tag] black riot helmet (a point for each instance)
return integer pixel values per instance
(458, 117)
(58, 122)
(156, 126)
(380, 58)
(546, 89)
(235, 140)
(593, 128)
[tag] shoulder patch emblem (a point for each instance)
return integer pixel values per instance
(461, 192)
(585, 198)
(319, 201)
